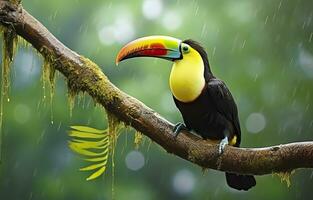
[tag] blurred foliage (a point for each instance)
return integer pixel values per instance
(263, 50)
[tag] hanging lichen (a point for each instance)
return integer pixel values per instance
(114, 126)
(8, 51)
(285, 176)
(48, 79)
(22, 42)
(138, 139)
(71, 94)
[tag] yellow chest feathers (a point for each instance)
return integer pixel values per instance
(187, 77)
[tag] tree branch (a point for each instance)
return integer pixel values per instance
(84, 75)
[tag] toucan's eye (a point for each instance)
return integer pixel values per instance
(185, 48)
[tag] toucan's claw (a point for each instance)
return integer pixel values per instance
(178, 128)
(222, 145)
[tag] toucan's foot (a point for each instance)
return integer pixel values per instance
(222, 145)
(178, 128)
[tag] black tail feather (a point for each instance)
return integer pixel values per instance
(240, 182)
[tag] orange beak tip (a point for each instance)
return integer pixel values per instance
(117, 61)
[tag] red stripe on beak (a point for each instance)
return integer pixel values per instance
(155, 49)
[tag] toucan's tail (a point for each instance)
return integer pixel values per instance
(240, 182)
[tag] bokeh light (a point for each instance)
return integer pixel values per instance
(135, 160)
(22, 113)
(255, 122)
(183, 182)
(152, 9)
(172, 20)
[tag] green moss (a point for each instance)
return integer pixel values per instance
(97, 87)
(192, 155)
(15, 1)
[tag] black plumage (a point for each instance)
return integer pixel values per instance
(214, 115)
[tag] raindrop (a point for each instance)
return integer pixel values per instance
(59, 127)
(305, 60)
(204, 31)
(55, 14)
(307, 107)
(135, 160)
(183, 182)
(30, 196)
(197, 10)
(303, 25)
(266, 20)
(35, 172)
(243, 44)
(279, 5)
(214, 51)
(255, 122)
(256, 77)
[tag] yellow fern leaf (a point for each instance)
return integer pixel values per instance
(96, 174)
(81, 134)
(76, 148)
(93, 144)
(94, 166)
(98, 159)
(87, 129)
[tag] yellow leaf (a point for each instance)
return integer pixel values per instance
(86, 135)
(96, 174)
(94, 166)
(98, 159)
(87, 145)
(88, 129)
(82, 151)
(92, 143)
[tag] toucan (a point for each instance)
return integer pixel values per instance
(204, 101)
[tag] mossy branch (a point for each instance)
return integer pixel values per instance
(85, 76)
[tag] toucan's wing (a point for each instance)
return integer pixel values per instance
(225, 104)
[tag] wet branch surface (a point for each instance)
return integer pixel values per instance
(85, 76)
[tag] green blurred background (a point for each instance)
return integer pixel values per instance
(263, 50)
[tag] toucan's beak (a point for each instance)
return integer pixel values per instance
(153, 46)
